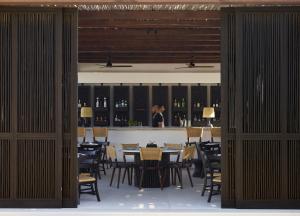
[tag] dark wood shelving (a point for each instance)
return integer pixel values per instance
(216, 102)
(179, 105)
(102, 112)
(141, 105)
(160, 96)
(121, 106)
(84, 99)
(198, 97)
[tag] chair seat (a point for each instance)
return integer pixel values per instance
(217, 179)
(214, 174)
(86, 179)
(85, 174)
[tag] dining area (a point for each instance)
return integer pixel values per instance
(189, 169)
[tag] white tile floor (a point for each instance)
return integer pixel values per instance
(131, 198)
(129, 201)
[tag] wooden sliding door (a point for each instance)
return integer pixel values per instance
(261, 129)
(36, 80)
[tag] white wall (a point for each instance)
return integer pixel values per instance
(149, 73)
(98, 77)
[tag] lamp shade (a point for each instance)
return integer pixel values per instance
(208, 112)
(86, 112)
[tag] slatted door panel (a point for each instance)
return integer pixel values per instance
(293, 108)
(228, 89)
(266, 106)
(5, 103)
(5, 72)
(260, 109)
(36, 119)
(5, 183)
(38, 102)
(69, 150)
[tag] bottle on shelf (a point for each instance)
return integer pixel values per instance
(84, 104)
(198, 104)
(180, 121)
(199, 119)
(125, 103)
(175, 103)
(79, 103)
(182, 103)
(97, 102)
(122, 103)
(104, 102)
(184, 121)
(195, 118)
(178, 104)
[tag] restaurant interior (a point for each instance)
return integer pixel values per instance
(136, 63)
(150, 105)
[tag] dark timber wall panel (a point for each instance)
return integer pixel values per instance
(38, 83)
(6, 69)
(36, 170)
(69, 166)
(260, 60)
(228, 89)
(5, 168)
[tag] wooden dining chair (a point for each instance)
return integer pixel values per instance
(130, 156)
(193, 132)
(212, 175)
(101, 132)
(186, 163)
(154, 156)
(81, 133)
(215, 134)
(112, 157)
(88, 179)
(174, 157)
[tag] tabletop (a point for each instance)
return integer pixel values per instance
(164, 150)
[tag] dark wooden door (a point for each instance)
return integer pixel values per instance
(260, 74)
(31, 106)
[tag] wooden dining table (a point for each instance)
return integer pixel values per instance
(151, 178)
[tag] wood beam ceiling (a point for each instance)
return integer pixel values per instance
(149, 36)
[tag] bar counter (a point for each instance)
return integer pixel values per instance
(144, 135)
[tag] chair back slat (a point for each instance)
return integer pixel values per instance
(154, 154)
(194, 133)
(111, 153)
(80, 132)
(215, 133)
(129, 146)
(173, 146)
(100, 132)
(189, 152)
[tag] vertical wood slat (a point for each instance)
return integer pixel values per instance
(5, 183)
(69, 115)
(228, 125)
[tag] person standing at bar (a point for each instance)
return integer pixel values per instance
(158, 118)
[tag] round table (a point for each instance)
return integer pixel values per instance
(151, 179)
